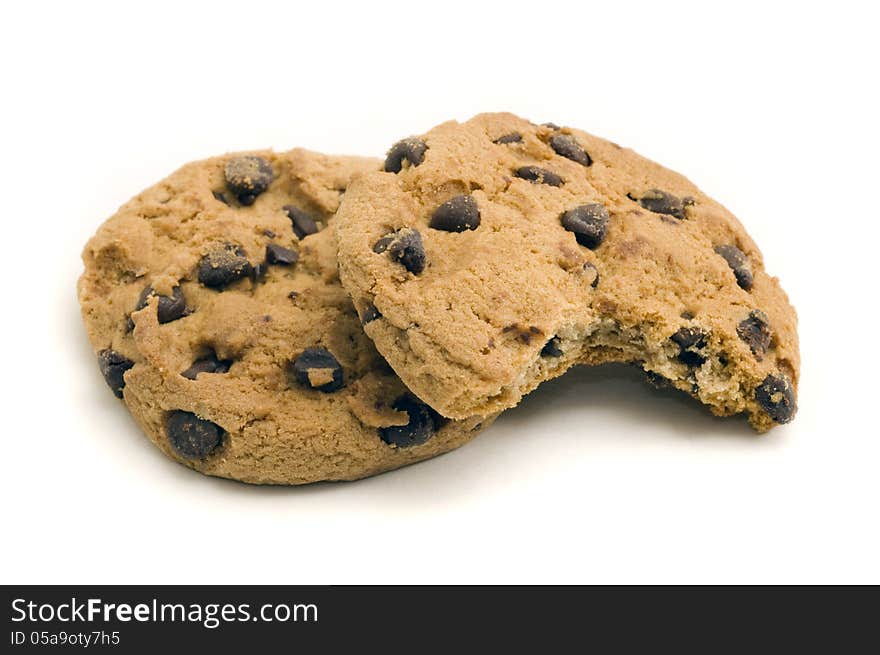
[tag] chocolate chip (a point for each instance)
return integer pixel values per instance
(247, 177)
(656, 380)
(170, 307)
(423, 422)
(318, 369)
(551, 348)
(382, 244)
(552, 126)
(303, 223)
(513, 137)
(456, 215)
(538, 175)
(588, 222)
(660, 202)
(776, 396)
(369, 314)
(568, 147)
(404, 246)
(259, 270)
(192, 437)
(737, 261)
(280, 256)
(209, 364)
(219, 195)
(688, 337)
(755, 331)
(113, 367)
(522, 333)
(412, 150)
(223, 266)
(690, 340)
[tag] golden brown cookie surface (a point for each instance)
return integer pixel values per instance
(213, 302)
(495, 254)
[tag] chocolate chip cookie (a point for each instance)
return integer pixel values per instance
(213, 303)
(495, 254)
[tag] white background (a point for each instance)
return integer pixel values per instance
(594, 478)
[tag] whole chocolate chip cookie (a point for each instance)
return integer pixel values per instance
(214, 306)
(505, 252)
